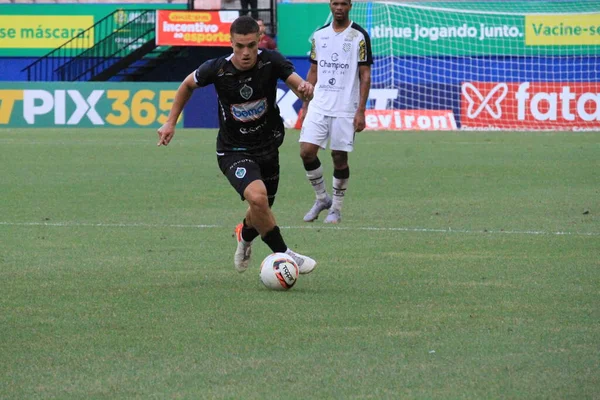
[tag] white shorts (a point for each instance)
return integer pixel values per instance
(318, 129)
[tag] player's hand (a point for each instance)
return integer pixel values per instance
(359, 121)
(165, 134)
(306, 89)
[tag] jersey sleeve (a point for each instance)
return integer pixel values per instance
(205, 74)
(365, 56)
(283, 67)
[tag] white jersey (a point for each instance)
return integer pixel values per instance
(337, 56)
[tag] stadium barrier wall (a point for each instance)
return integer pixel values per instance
(146, 105)
(119, 104)
(471, 88)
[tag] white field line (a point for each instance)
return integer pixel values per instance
(20, 142)
(315, 227)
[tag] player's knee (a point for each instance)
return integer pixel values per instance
(257, 199)
(340, 159)
(307, 154)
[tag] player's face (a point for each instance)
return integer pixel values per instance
(245, 49)
(340, 10)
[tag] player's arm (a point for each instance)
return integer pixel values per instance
(300, 87)
(184, 92)
(364, 76)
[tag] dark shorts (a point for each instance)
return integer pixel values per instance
(243, 169)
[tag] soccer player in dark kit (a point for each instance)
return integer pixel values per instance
(250, 131)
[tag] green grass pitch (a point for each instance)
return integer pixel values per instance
(467, 266)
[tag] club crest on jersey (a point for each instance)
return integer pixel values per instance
(249, 111)
(246, 92)
(346, 47)
(240, 172)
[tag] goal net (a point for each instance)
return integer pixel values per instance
(495, 64)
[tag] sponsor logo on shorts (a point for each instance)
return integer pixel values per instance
(249, 111)
(240, 172)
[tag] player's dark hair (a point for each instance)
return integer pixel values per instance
(243, 26)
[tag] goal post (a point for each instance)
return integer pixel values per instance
(495, 64)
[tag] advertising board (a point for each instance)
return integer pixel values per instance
(453, 28)
(194, 28)
(85, 104)
(530, 105)
(33, 30)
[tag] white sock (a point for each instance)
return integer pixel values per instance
(317, 181)
(339, 191)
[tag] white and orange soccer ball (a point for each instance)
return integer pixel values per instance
(278, 271)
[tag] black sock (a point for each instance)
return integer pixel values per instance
(248, 234)
(342, 173)
(311, 166)
(274, 240)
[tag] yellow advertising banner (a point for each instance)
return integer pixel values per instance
(562, 30)
(43, 31)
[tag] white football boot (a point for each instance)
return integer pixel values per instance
(333, 217)
(316, 209)
(305, 264)
(241, 258)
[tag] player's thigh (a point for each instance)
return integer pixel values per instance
(269, 170)
(342, 134)
(240, 170)
(315, 129)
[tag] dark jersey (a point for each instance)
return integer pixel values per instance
(249, 119)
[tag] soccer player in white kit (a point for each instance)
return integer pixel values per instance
(340, 71)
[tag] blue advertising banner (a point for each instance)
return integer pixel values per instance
(436, 87)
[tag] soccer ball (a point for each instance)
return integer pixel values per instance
(278, 271)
